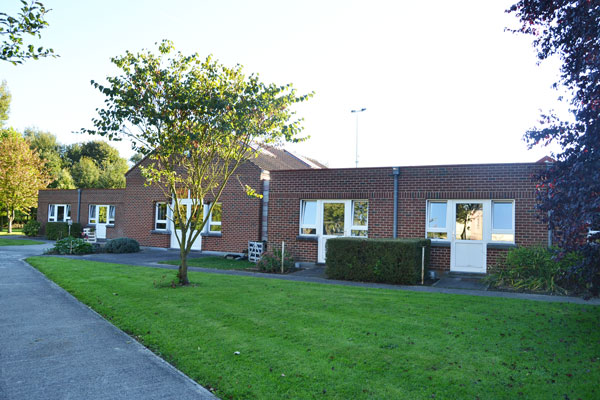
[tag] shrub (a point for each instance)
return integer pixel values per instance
(59, 230)
(396, 261)
(271, 261)
(31, 228)
(535, 268)
(122, 245)
(71, 245)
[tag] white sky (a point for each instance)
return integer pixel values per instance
(441, 80)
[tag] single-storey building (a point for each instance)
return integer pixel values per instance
(472, 213)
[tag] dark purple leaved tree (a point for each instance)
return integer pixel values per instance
(569, 191)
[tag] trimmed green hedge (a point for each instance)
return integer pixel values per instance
(59, 230)
(396, 261)
(122, 245)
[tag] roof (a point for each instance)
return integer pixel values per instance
(275, 159)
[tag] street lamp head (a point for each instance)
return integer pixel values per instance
(357, 111)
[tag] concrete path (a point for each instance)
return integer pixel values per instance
(54, 347)
(149, 257)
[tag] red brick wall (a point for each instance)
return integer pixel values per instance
(240, 213)
(416, 186)
(113, 197)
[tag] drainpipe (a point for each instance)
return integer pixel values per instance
(549, 231)
(396, 175)
(78, 204)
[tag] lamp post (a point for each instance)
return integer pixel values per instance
(356, 112)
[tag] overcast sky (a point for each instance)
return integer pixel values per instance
(442, 82)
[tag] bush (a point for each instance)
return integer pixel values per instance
(396, 261)
(537, 269)
(59, 230)
(122, 245)
(271, 261)
(70, 245)
(31, 228)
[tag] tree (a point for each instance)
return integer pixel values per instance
(21, 174)
(48, 149)
(569, 190)
(85, 173)
(102, 152)
(29, 21)
(5, 98)
(113, 175)
(197, 120)
(136, 158)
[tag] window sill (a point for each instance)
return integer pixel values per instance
(501, 246)
(440, 243)
(304, 238)
(107, 225)
(160, 232)
(212, 234)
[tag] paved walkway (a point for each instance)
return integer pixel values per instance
(149, 257)
(54, 347)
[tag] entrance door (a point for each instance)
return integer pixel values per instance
(468, 248)
(102, 221)
(333, 224)
(187, 204)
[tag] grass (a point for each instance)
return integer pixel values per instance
(18, 242)
(214, 263)
(304, 340)
(16, 231)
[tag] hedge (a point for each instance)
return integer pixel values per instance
(122, 245)
(59, 230)
(396, 261)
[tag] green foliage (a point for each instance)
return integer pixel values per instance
(113, 175)
(31, 228)
(396, 261)
(59, 230)
(5, 98)
(64, 180)
(535, 269)
(71, 245)
(48, 149)
(86, 173)
(122, 245)
(271, 261)
(29, 21)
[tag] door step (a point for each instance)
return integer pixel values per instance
(465, 275)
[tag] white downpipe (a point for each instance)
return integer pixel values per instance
(422, 265)
(282, 253)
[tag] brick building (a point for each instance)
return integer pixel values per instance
(472, 213)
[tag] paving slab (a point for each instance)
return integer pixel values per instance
(54, 347)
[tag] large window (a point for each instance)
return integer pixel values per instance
(214, 219)
(436, 220)
(308, 217)
(59, 212)
(360, 218)
(101, 214)
(503, 227)
(160, 217)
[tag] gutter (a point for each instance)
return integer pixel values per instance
(396, 173)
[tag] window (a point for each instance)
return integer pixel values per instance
(436, 220)
(503, 229)
(101, 214)
(59, 212)
(360, 218)
(160, 217)
(308, 217)
(214, 221)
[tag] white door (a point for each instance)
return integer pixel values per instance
(197, 245)
(333, 224)
(102, 221)
(468, 245)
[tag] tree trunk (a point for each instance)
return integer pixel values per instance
(183, 268)
(11, 217)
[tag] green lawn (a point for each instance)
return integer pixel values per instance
(16, 231)
(303, 340)
(18, 242)
(214, 262)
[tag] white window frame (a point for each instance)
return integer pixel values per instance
(161, 221)
(210, 223)
(93, 217)
(446, 229)
(308, 226)
(502, 231)
(353, 227)
(53, 215)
